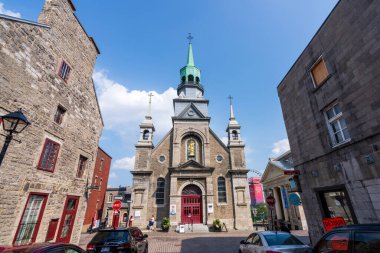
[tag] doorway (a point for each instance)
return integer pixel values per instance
(68, 219)
(191, 205)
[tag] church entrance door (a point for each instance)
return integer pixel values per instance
(191, 205)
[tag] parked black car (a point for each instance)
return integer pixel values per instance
(44, 248)
(364, 238)
(130, 240)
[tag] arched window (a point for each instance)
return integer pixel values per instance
(197, 79)
(190, 78)
(235, 135)
(146, 135)
(160, 191)
(191, 149)
(222, 190)
(183, 79)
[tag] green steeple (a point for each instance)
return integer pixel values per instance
(189, 73)
(190, 57)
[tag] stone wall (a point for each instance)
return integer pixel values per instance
(30, 56)
(349, 43)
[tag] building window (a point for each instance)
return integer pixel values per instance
(49, 156)
(335, 203)
(101, 164)
(59, 113)
(100, 184)
(146, 135)
(64, 71)
(110, 198)
(190, 78)
(81, 166)
(222, 190)
(96, 180)
(31, 218)
(336, 125)
(319, 72)
(235, 135)
(160, 192)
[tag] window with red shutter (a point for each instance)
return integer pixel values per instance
(31, 218)
(49, 156)
(53, 224)
(58, 116)
(81, 166)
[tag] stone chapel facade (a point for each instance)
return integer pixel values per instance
(191, 176)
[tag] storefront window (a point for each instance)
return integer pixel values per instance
(336, 204)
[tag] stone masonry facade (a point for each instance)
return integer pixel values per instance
(31, 54)
(348, 42)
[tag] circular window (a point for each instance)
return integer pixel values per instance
(190, 113)
(162, 158)
(219, 158)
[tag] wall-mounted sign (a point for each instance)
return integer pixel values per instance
(294, 199)
(137, 213)
(284, 197)
(291, 172)
(210, 208)
(173, 209)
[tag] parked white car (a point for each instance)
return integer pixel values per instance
(272, 242)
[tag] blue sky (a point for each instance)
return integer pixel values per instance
(243, 48)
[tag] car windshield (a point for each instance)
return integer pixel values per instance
(282, 239)
(110, 236)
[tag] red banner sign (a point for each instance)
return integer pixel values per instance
(330, 223)
(291, 172)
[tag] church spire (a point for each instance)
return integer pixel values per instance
(190, 57)
(233, 128)
(147, 127)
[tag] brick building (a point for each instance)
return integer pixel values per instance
(191, 176)
(46, 69)
(123, 194)
(95, 203)
(330, 100)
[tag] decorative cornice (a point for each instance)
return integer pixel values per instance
(141, 172)
(238, 171)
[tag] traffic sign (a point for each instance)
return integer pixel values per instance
(270, 200)
(294, 199)
(116, 205)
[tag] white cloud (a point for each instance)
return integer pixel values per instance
(224, 139)
(112, 175)
(280, 147)
(9, 12)
(124, 109)
(126, 163)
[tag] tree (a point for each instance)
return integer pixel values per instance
(262, 211)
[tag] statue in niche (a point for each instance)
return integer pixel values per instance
(191, 149)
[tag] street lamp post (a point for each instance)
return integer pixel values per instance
(14, 122)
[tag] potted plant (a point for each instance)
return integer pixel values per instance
(165, 224)
(217, 225)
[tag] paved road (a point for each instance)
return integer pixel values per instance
(161, 242)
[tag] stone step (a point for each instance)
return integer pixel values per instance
(195, 228)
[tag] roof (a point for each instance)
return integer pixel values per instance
(2, 16)
(283, 162)
(359, 227)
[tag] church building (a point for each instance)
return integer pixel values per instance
(191, 176)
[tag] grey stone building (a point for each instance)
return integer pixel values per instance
(280, 180)
(191, 176)
(330, 100)
(46, 69)
(123, 194)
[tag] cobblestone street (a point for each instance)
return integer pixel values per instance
(171, 242)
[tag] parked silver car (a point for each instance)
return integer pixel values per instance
(272, 242)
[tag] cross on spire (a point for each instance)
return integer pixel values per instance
(150, 97)
(150, 104)
(190, 38)
(230, 98)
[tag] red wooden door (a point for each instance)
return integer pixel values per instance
(191, 209)
(68, 219)
(191, 205)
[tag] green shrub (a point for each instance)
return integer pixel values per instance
(165, 224)
(217, 224)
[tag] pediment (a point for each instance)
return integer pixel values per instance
(191, 112)
(191, 164)
(271, 172)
